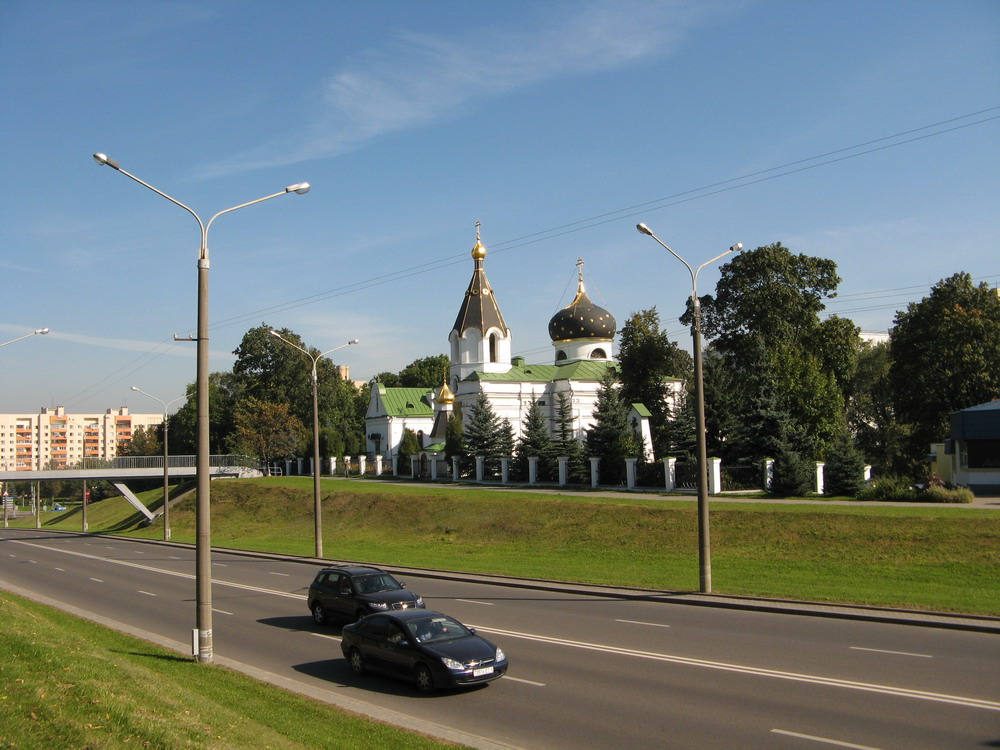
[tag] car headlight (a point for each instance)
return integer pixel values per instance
(378, 605)
(420, 601)
(452, 664)
(501, 656)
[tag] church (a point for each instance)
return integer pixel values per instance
(480, 346)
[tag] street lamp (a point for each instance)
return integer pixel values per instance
(166, 458)
(317, 507)
(704, 545)
(203, 550)
(37, 331)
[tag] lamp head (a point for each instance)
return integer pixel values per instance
(135, 388)
(300, 188)
(105, 160)
(273, 332)
(42, 331)
(644, 229)
(736, 248)
(354, 341)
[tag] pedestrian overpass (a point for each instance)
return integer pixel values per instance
(119, 470)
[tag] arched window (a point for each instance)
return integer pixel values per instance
(494, 341)
(598, 354)
(560, 355)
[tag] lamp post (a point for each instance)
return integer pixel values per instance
(704, 544)
(37, 331)
(166, 459)
(203, 550)
(317, 506)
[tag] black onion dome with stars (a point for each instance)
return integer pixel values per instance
(582, 319)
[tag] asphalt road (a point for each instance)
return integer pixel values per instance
(587, 670)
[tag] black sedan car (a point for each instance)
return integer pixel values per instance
(349, 592)
(429, 648)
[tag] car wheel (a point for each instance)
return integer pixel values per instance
(357, 661)
(319, 614)
(424, 679)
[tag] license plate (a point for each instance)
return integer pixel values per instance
(482, 671)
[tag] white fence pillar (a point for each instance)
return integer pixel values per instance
(298, 466)
(669, 473)
(395, 466)
(532, 469)
(714, 476)
(504, 469)
(480, 467)
(630, 472)
(456, 469)
(434, 465)
(362, 460)
(378, 464)
(414, 463)
(868, 473)
(563, 471)
(819, 477)
(288, 466)
(768, 473)
(595, 464)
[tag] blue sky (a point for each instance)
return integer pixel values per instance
(845, 129)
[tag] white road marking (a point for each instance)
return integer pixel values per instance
(279, 574)
(473, 601)
(639, 622)
(885, 651)
(61, 570)
(221, 611)
(147, 593)
(526, 682)
(330, 637)
(824, 740)
(97, 580)
(759, 671)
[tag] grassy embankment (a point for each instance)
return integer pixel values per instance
(944, 558)
(70, 683)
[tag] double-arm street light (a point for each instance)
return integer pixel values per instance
(317, 507)
(203, 551)
(37, 331)
(166, 458)
(704, 545)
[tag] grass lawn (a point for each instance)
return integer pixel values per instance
(70, 683)
(944, 558)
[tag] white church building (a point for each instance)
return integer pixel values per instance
(480, 342)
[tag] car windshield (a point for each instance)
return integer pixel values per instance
(376, 582)
(436, 629)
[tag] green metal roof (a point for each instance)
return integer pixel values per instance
(641, 410)
(406, 402)
(587, 369)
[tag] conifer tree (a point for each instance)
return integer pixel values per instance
(483, 435)
(612, 438)
(535, 441)
(566, 442)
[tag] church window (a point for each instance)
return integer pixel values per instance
(494, 355)
(560, 355)
(598, 354)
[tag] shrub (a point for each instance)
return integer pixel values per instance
(888, 488)
(793, 476)
(936, 493)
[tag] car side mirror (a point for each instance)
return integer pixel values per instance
(402, 584)
(472, 630)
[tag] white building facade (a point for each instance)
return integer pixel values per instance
(481, 363)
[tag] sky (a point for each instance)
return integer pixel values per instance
(863, 131)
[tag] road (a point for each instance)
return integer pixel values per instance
(587, 671)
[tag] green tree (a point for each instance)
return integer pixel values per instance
(267, 431)
(565, 442)
(453, 437)
(409, 445)
(871, 415)
(425, 373)
(793, 476)
(612, 437)
(945, 353)
(144, 442)
(844, 471)
(648, 358)
(535, 441)
(484, 436)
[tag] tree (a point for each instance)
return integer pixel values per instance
(945, 353)
(612, 437)
(409, 445)
(535, 441)
(425, 373)
(454, 435)
(648, 357)
(565, 442)
(765, 319)
(871, 415)
(143, 443)
(792, 475)
(483, 435)
(267, 431)
(844, 471)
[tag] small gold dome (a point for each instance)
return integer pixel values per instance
(445, 396)
(479, 251)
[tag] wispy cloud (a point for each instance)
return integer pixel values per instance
(418, 79)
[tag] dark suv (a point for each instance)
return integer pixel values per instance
(349, 592)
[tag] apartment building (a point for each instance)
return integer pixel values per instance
(52, 438)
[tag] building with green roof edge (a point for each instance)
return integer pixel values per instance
(481, 362)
